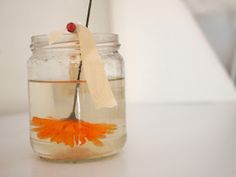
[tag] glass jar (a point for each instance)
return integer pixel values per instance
(64, 124)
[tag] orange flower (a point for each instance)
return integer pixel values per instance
(71, 132)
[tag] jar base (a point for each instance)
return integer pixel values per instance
(61, 153)
(78, 160)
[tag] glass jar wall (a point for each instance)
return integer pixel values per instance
(59, 132)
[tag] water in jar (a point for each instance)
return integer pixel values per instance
(99, 132)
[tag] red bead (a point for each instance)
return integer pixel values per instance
(71, 27)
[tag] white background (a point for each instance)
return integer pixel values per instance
(167, 58)
(19, 21)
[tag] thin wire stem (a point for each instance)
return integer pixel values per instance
(88, 13)
(72, 114)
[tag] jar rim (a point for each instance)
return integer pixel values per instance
(100, 38)
(70, 41)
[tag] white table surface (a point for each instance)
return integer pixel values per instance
(163, 141)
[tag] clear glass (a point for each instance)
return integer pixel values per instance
(52, 77)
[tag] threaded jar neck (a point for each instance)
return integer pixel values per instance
(104, 42)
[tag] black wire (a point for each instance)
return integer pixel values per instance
(72, 115)
(88, 13)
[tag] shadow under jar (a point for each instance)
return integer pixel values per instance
(52, 81)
